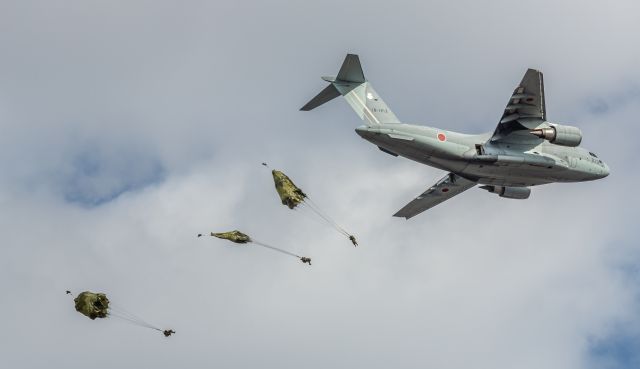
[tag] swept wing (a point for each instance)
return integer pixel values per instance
(444, 189)
(526, 107)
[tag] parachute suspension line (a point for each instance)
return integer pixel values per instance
(317, 209)
(121, 313)
(312, 205)
(122, 310)
(129, 318)
(133, 321)
(275, 249)
(125, 314)
(328, 220)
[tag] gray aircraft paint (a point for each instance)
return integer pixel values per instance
(510, 157)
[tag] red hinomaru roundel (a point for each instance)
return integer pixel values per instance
(442, 137)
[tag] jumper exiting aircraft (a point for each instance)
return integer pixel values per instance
(524, 150)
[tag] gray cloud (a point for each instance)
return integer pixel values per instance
(629, 95)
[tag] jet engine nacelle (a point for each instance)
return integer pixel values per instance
(560, 135)
(520, 193)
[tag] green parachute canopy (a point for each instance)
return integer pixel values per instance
(290, 194)
(233, 236)
(92, 305)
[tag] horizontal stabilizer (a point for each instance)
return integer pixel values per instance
(328, 94)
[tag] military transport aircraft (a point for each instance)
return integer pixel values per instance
(524, 150)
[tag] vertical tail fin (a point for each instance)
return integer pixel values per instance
(359, 93)
(351, 70)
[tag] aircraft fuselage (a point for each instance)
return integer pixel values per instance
(526, 161)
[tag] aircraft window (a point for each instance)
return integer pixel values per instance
(592, 154)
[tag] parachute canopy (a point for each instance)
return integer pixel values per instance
(290, 194)
(233, 236)
(92, 305)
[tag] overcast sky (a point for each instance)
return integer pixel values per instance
(127, 127)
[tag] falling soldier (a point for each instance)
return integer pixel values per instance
(353, 240)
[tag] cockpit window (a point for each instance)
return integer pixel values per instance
(592, 154)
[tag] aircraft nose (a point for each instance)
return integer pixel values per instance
(602, 171)
(605, 170)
